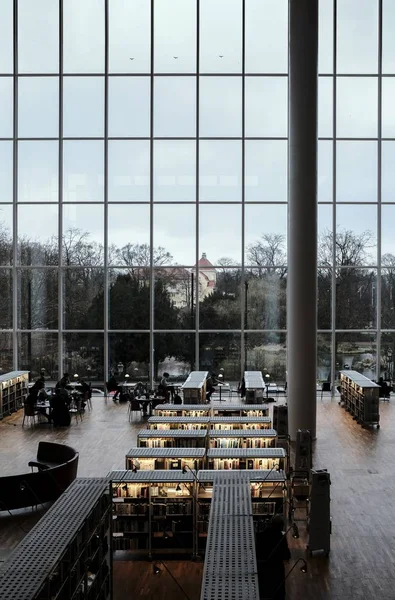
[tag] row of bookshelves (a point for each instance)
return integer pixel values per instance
(13, 391)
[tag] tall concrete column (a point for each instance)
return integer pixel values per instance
(302, 215)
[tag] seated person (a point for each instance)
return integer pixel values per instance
(37, 394)
(65, 380)
(60, 411)
(162, 387)
(112, 386)
(384, 388)
(210, 389)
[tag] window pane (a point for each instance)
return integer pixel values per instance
(83, 233)
(6, 229)
(325, 107)
(6, 354)
(38, 238)
(5, 300)
(220, 233)
(175, 232)
(267, 353)
(266, 107)
(83, 298)
(6, 36)
(387, 356)
(175, 106)
(174, 171)
(129, 107)
(83, 171)
(265, 298)
(388, 172)
(266, 171)
(325, 38)
(129, 36)
(83, 36)
(83, 354)
(356, 301)
(356, 165)
(221, 351)
(325, 235)
(38, 36)
(174, 298)
(220, 171)
(129, 299)
(324, 299)
(6, 165)
(38, 171)
(387, 234)
(388, 107)
(130, 351)
(356, 236)
(83, 107)
(220, 36)
(388, 297)
(38, 299)
(128, 234)
(219, 297)
(325, 171)
(324, 357)
(38, 107)
(220, 107)
(266, 36)
(174, 354)
(356, 351)
(357, 36)
(357, 107)
(175, 36)
(266, 235)
(6, 107)
(388, 36)
(128, 171)
(38, 351)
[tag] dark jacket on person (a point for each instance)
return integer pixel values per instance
(60, 411)
(271, 551)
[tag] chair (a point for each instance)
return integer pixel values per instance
(76, 410)
(326, 387)
(134, 406)
(29, 413)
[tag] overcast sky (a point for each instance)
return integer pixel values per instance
(175, 116)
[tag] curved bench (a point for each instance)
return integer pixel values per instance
(57, 468)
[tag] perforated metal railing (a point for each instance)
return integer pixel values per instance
(35, 558)
(230, 571)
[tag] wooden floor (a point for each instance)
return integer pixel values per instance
(361, 464)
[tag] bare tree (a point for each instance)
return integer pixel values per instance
(351, 249)
(269, 253)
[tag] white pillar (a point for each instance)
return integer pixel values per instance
(302, 216)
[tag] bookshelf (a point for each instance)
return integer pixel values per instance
(246, 458)
(360, 397)
(165, 458)
(153, 512)
(188, 423)
(255, 387)
(194, 388)
(242, 438)
(239, 410)
(13, 391)
(67, 555)
(247, 423)
(182, 410)
(171, 438)
(268, 490)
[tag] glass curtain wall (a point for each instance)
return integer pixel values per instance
(143, 186)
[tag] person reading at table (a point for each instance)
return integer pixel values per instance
(36, 395)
